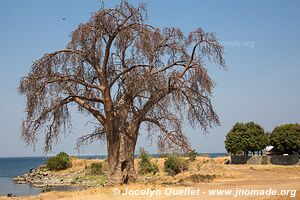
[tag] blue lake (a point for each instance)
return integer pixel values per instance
(10, 167)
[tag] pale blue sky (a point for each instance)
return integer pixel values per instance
(262, 50)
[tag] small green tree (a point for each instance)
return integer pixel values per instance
(59, 162)
(63, 155)
(246, 137)
(96, 169)
(192, 155)
(145, 166)
(175, 164)
(286, 139)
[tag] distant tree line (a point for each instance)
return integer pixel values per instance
(251, 137)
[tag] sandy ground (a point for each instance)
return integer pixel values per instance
(241, 178)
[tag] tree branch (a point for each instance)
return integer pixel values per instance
(90, 108)
(174, 136)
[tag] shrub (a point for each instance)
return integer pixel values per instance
(286, 139)
(192, 155)
(154, 167)
(42, 168)
(198, 166)
(175, 164)
(63, 155)
(96, 169)
(185, 165)
(145, 166)
(59, 162)
(226, 161)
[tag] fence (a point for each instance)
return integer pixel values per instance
(266, 159)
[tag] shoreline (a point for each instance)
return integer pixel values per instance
(41, 178)
(222, 176)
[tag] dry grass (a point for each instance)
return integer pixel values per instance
(78, 165)
(227, 177)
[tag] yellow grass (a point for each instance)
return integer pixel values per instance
(231, 177)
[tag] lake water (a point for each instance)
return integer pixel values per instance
(15, 166)
(10, 167)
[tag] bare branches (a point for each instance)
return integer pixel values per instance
(170, 139)
(210, 47)
(57, 116)
(124, 72)
(98, 134)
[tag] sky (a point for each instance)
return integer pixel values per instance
(261, 45)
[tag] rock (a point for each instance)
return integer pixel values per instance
(40, 185)
(45, 178)
(20, 182)
(19, 178)
(44, 174)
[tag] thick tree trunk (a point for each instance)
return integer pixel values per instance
(121, 159)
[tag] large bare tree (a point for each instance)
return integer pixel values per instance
(125, 73)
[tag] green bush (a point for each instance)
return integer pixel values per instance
(59, 162)
(192, 155)
(63, 155)
(145, 166)
(96, 169)
(175, 164)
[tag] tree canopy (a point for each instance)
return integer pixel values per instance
(246, 137)
(125, 73)
(286, 139)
